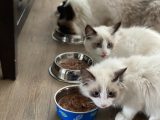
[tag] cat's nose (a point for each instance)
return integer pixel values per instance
(104, 54)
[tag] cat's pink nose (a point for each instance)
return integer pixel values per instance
(103, 55)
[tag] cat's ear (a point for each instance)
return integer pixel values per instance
(118, 74)
(86, 77)
(89, 31)
(116, 28)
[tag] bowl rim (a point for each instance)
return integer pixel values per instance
(70, 35)
(66, 109)
(71, 53)
(75, 39)
(61, 80)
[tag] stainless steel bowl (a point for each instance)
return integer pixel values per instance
(67, 38)
(68, 75)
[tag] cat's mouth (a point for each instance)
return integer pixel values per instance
(103, 106)
(103, 56)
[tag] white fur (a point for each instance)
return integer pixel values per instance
(127, 42)
(138, 91)
(108, 12)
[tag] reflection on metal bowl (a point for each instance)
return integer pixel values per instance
(68, 75)
(67, 38)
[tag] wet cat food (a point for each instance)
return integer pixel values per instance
(73, 64)
(76, 103)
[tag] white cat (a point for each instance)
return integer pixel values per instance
(133, 83)
(102, 42)
(74, 15)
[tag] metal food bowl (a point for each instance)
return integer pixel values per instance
(68, 75)
(67, 38)
(65, 114)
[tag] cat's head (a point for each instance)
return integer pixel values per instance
(70, 13)
(65, 17)
(99, 41)
(103, 87)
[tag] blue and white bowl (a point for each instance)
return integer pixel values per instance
(65, 114)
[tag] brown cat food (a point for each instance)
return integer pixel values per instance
(76, 103)
(73, 64)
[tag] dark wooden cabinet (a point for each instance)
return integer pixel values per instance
(21, 10)
(13, 14)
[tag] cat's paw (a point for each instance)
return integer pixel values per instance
(120, 116)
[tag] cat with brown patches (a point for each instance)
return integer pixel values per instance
(132, 83)
(115, 41)
(74, 15)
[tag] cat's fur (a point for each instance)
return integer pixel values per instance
(102, 42)
(74, 15)
(132, 83)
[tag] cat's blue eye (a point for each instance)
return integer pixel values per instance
(95, 94)
(99, 45)
(110, 45)
(111, 94)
